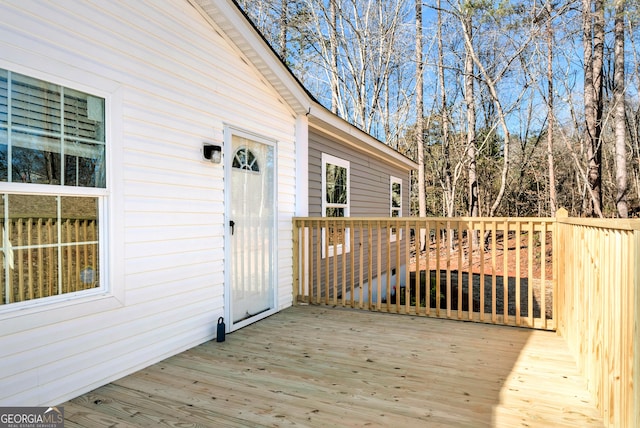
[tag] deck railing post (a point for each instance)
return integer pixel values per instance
(296, 262)
(558, 245)
(635, 416)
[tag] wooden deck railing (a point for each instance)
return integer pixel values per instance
(496, 270)
(599, 310)
(579, 276)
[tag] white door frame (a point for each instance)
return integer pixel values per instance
(229, 132)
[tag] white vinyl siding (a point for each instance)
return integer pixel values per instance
(175, 82)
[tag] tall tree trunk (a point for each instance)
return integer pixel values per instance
(593, 44)
(422, 194)
(282, 36)
(471, 120)
(550, 111)
(333, 44)
(619, 105)
(448, 192)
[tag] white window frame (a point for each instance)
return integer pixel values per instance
(108, 93)
(394, 180)
(333, 160)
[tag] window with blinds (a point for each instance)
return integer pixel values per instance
(50, 134)
(50, 238)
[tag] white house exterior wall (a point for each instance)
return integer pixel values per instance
(171, 83)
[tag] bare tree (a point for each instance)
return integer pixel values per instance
(593, 45)
(284, 26)
(422, 207)
(448, 188)
(469, 96)
(619, 106)
(550, 110)
(333, 55)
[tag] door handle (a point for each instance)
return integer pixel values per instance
(232, 224)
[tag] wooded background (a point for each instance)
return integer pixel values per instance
(511, 108)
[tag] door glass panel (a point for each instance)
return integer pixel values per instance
(253, 231)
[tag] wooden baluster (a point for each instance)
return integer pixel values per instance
(407, 273)
(494, 277)
(470, 238)
(481, 275)
(447, 244)
(379, 266)
(530, 262)
(320, 244)
(460, 254)
(326, 261)
(370, 267)
(352, 249)
(336, 256)
(437, 230)
(388, 265)
(517, 244)
(543, 274)
(398, 262)
(361, 267)
(343, 269)
(505, 271)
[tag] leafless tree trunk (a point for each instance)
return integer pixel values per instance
(333, 47)
(593, 44)
(422, 194)
(284, 25)
(550, 111)
(469, 97)
(448, 191)
(619, 106)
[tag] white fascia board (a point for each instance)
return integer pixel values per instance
(328, 123)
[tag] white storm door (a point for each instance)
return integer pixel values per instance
(252, 230)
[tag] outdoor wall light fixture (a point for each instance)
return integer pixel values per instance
(212, 153)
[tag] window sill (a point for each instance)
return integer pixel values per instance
(21, 317)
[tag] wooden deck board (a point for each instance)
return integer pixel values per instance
(318, 366)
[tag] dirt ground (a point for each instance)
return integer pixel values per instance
(483, 272)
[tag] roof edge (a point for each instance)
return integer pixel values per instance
(322, 119)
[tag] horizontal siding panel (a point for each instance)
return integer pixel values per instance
(176, 330)
(172, 204)
(151, 221)
(207, 274)
(165, 247)
(177, 289)
(164, 282)
(138, 264)
(99, 333)
(176, 232)
(204, 199)
(140, 175)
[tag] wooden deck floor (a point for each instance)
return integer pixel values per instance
(317, 366)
